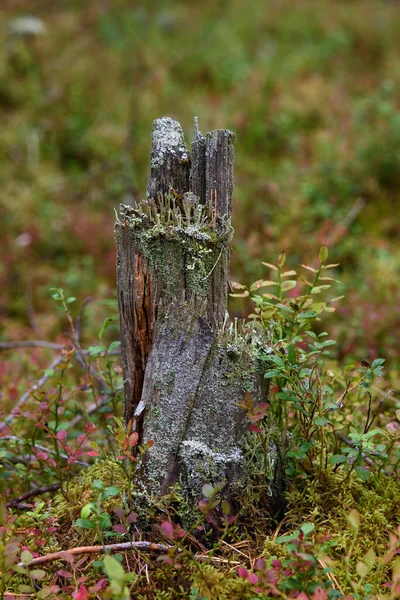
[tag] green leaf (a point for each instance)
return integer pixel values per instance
(87, 510)
(283, 538)
(363, 473)
(96, 350)
(320, 421)
(113, 569)
(26, 557)
(289, 284)
(307, 528)
(319, 288)
(25, 589)
(269, 312)
(307, 314)
(207, 490)
(70, 300)
(377, 363)
(323, 254)
(106, 323)
(292, 354)
(84, 523)
(110, 492)
(272, 373)
(104, 522)
(273, 267)
(113, 346)
(281, 259)
(337, 459)
(37, 573)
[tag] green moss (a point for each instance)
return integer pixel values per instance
(181, 244)
(327, 501)
(67, 507)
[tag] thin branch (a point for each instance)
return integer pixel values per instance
(42, 448)
(31, 344)
(98, 550)
(367, 459)
(44, 344)
(36, 492)
(149, 546)
(78, 324)
(378, 409)
(353, 213)
(26, 395)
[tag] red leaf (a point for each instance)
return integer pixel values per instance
(255, 429)
(131, 518)
(93, 453)
(119, 512)
(64, 573)
(61, 435)
(253, 578)
(203, 506)
(133, 439)
(89, 427)
(242, 572)
(67, 556)
(259, 412)
(180, 532)
(81, 594)
(167, 529)
(260, 564)
(100, 585)
(319, 594)
(120, 528)
(42, 455)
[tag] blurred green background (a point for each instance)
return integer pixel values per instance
(311, 90)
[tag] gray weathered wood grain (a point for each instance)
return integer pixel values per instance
(169, 159)
(186, 370)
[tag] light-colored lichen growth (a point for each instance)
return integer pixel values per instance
(168, 140)
(182, 244)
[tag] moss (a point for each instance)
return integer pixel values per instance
(211, 583)
(326, 501)
(67, 507)
(181, 244)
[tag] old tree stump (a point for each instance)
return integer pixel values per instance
(186, 367)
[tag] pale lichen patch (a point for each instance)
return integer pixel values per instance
(168, 140)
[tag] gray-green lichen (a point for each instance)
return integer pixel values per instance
(199, 423)
(182, 244)
(200, 464)
(168, 140)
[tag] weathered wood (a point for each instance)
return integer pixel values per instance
(220, 156)
(169, 159)
(186, 369)
(198, 166)
(137, 313)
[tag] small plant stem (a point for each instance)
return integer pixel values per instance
(28, 393)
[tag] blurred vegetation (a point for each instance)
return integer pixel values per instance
(312, 93)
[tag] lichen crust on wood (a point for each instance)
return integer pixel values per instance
(195, 396)
(186, 372)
